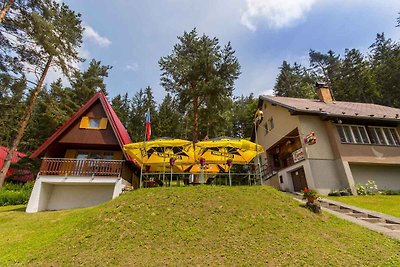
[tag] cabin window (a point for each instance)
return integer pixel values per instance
(266, 127)
(384, 136)
(353, 134)
(93, 123)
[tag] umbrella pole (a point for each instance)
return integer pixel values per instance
(230, 179)
(141, 173)
(170, 183)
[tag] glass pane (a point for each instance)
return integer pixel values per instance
(94, 123)
(395, 136)
(82, 155)
(364, 135)
(372, 135)
(108, 155)
(341, 133)
(95, 155)
(271, 124)
(347, 132)
(379, 134)
(356, 134)
(388, 135)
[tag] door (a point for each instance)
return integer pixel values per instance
(299, 179)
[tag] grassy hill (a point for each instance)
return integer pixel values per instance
(202, 225)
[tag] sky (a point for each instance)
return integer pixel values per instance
(131, 35)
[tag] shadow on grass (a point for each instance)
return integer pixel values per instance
(18, 209)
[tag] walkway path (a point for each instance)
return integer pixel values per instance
(376, 221)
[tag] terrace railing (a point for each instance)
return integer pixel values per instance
(81, 167)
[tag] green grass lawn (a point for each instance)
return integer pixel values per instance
(203, 225)
(381, 203)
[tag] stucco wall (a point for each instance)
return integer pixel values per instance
(284, 123)
(322, 149)
(327, 176)
(385, 176)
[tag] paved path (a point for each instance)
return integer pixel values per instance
(376, 221)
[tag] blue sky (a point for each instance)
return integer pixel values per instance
(132, 35)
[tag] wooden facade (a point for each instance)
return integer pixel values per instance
(86, 151)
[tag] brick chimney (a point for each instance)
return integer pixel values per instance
(324, 93)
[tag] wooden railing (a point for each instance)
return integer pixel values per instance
(81, 167)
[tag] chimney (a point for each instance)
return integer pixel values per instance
(324, 93)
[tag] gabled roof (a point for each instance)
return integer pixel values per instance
(335, 108)
(116, 124)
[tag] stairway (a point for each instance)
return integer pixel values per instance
(386, 224)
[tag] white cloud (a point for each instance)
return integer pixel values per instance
(132, 67)
(90, 34)
(276, 13)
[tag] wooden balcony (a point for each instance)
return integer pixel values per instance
(81, 167)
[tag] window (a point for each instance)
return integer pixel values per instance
(384, 136)
(266, 127)
(93, 123)
(271, 123)
(353, 134)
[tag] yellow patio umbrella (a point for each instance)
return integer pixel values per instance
(220, 150)
(227, 150)
(159, 153)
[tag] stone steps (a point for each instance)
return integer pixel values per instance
(373, 220)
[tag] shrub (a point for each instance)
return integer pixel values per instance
(361, 191)
(15, 194)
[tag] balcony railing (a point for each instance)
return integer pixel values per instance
(81, 167)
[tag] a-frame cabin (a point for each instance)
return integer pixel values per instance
(83, 162)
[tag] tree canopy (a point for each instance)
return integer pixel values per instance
(200, 73)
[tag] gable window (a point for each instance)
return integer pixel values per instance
(384, 136)
(353, 134)
(93, 123)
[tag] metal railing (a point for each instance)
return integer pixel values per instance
(81, 167)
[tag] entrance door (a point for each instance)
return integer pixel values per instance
(299, 179)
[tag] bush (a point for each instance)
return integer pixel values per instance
(390, 192)
(15, 194)
(361, 191)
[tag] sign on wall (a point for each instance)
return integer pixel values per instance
(298, 155)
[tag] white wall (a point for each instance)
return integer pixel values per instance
(76, 196)
(385, 176)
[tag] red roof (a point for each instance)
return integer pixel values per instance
(3, 153)
(116, 124)
(24, 175)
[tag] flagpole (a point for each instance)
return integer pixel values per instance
(144, 142)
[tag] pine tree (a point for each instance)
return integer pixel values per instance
(198, 72)
(50, 36)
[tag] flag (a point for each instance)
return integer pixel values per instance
(148, 126)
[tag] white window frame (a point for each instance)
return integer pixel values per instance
(352, 139)
(396, 136)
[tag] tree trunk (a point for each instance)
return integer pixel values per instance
(195, 118)
(5, 9)
(24, 123)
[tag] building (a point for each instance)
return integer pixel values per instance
(328, 145)
(83, 162)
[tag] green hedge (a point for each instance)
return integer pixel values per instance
(15, 194)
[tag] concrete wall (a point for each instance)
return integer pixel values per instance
(55, 192)
(326, 176)
(76, 196)
(385, 176)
